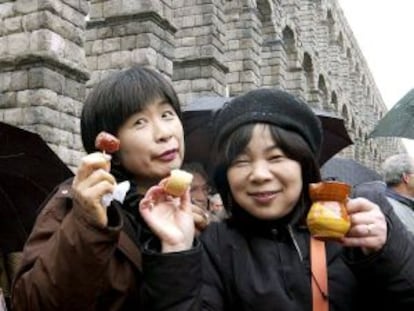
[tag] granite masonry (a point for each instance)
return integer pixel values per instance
(53, 51)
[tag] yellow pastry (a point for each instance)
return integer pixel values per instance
(178, 182)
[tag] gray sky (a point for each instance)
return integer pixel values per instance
(384, 31)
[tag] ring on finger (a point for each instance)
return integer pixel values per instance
(369, 228)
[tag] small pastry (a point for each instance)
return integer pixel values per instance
(106, 142)
(178, 182)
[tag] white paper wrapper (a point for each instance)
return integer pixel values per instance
(119, 194)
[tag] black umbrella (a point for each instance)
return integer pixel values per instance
(399, 121)
(198, 129)
(349, 171)
(29, 170)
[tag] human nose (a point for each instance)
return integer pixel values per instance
(162, 130)
(260, 171)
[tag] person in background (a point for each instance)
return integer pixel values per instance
(265, 157)
(398, 171)
(199, 189)
(216, 207)
(82, 254)
(202, 194)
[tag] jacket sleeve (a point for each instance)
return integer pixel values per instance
(390, 272)
(184, 281)
(63, 260)
(172, 281)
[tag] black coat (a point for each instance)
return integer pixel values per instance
(263, 269)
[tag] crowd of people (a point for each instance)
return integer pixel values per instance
(236, 240)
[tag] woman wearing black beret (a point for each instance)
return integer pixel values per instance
(266, 150)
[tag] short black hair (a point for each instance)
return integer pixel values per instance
(113, 100)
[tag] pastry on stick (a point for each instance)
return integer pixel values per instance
(178, 182)
(106, 142)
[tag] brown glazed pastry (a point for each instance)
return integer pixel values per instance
(107, 142)
(328, 218)
(178, 182)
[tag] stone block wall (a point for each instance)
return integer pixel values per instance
(43, 70)
(199, 66)
(53, 51)
(123, 33)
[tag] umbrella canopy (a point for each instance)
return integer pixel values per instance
(399, 121)
(29, 170)
(197, 117)
(349, 171)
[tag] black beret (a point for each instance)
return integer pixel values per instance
(272, 106)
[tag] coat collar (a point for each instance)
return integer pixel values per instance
(400, 198)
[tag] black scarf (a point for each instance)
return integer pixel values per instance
(134, 225)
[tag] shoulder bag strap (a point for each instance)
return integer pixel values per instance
(319, 268)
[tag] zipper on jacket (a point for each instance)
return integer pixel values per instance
(295, 243)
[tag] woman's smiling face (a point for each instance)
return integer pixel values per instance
(263, 181)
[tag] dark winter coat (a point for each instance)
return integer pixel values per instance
(70, 265)
(252, 266)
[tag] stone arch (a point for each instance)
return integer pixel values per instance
(291, 67)
(340, 42)
(345, 113)
(307, 63)
(265, 10)
(288, 37)
(355, 80)
(334, 100)
(289, 44)
(360, 134)
(349, 58)
(353, 125)
(308, 70)
(331, 24)
(271, 65)
(360, 145)
(350, 122)
(323, 91)
(357, 69)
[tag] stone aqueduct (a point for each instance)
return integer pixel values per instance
(53, 51)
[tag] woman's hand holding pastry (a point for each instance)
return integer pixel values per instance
(170, 218)
(92, 181)
(368, 226)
